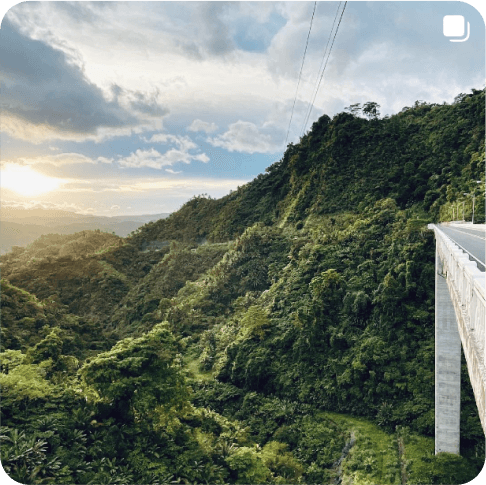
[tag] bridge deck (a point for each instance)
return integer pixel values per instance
(470, 238)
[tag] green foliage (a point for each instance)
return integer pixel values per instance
(48, 348)
(248, 466)
(90, 282)
(26, 320)
(370, 110)
(141, 307)
(254, 322)
(244, 270)
(281, 462)
(137, 375)
(24, 457)
(74, 246)
(308, 290)
(24, 383)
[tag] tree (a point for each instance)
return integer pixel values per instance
(354, 109)
(255, 322)
(48, 348)
(137, 375)
(247, 464)
(370, 110)
(24, 457)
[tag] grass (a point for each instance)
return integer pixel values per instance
(374, 457)
(375, 460)
(191, 363)
(109, 270)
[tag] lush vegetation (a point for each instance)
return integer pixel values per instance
(281, 334)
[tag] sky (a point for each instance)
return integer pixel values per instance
(113, 108)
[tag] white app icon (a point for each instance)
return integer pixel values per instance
(455, 26)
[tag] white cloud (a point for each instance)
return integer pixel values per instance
(172, 171)
(199, 125)
(183, 142)
(140, 158)
(63, 159)
(154, 159)
(36, 204)
(104, 160)
(47, 95)
(220, 76)
(189, 186)
(114, 207)
(90, 211)
(145, 158)
(202, 158)
(244, 136)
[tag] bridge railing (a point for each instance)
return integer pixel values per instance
(469, 283)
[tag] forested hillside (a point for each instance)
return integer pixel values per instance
(425, 156)
(281, 334)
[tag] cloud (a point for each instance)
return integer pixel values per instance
(244, 136)
(90, 211)
(153, 159)
(35, 204)
(172, 171)
(184, 143)
(147, 184)
(215, 31)
(210, 61)
(114, 207)
(145, 104)
(145, 195)
(191, 186)
(199, 125)
(255, 25)
(105, 160)
(62, 159)
(46, 95)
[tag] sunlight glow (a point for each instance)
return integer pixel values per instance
(25, 181)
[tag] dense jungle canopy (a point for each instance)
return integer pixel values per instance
(281, 334)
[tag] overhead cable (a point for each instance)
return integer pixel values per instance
(325, 65)
(316, 86)
(300, 74)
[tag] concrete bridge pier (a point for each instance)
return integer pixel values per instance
(447, 367)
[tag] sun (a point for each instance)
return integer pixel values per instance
(25, 181)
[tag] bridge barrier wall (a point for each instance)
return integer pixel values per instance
(467, 289)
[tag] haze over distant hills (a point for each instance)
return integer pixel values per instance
(20, 227)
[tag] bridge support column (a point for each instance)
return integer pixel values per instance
(447, 367)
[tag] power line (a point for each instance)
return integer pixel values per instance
(323, 70)
(300, 74)
(309, 108)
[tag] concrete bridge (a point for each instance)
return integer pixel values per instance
(459, 319)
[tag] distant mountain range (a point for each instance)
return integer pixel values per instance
(20, 227)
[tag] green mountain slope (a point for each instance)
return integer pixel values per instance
(427, 155)
(297, 343)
